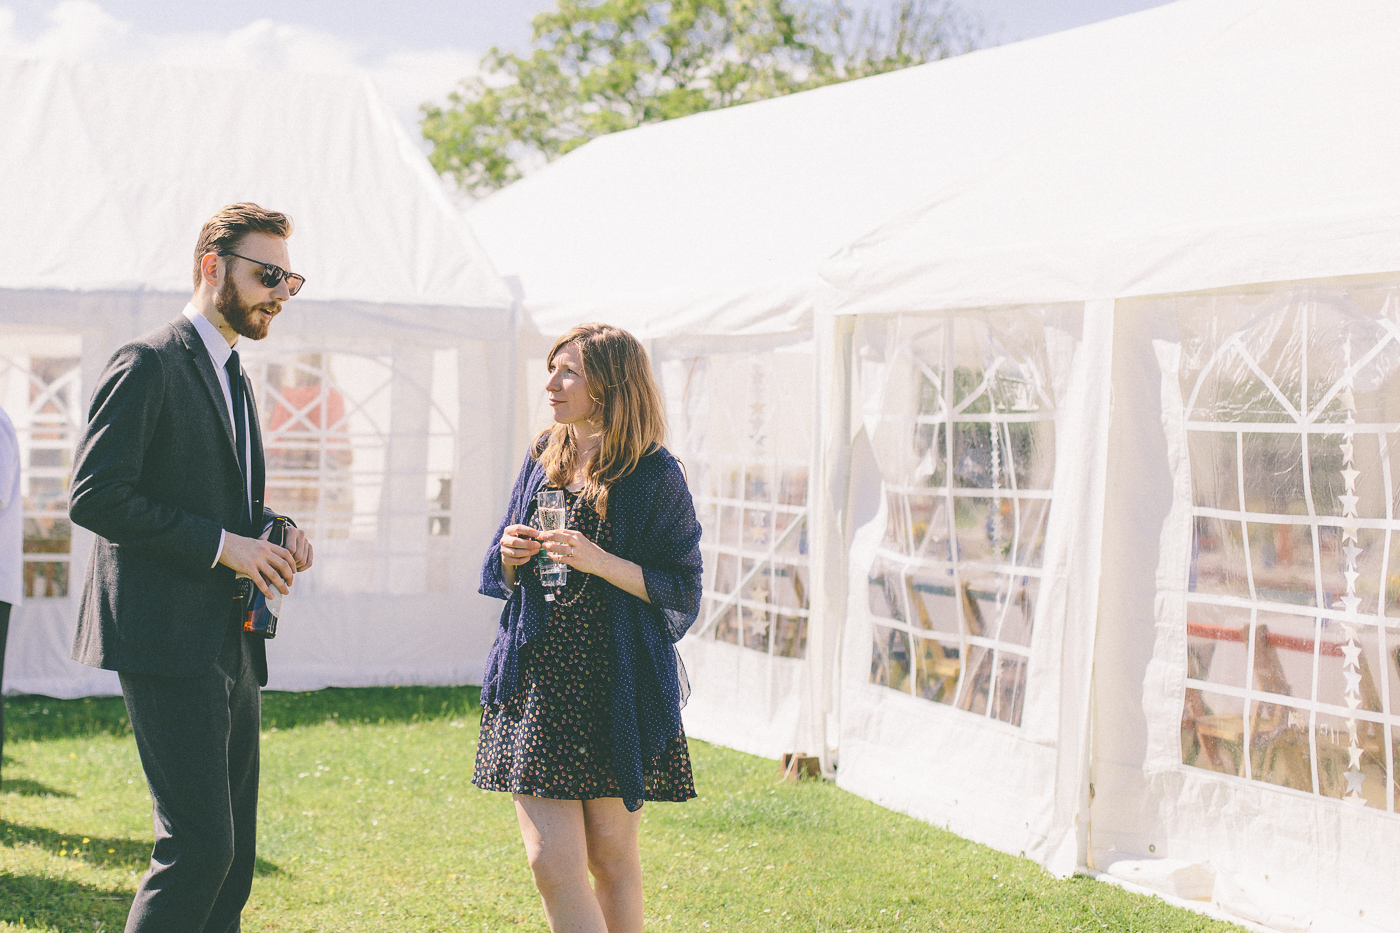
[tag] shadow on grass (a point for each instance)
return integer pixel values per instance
(27, 788)
(368, 705)
(102, 851)
(33, 718)
(62, 906)
(36, 718)
(99, 851)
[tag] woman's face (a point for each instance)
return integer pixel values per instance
(568, 393)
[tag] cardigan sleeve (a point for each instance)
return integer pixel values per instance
(672, 566)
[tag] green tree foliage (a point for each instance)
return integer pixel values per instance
(599, 66)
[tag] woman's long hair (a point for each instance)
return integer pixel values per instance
(619, 379)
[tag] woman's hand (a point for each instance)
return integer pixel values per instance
(576, 550)
(519, 543)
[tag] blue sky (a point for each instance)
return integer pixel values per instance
(415, 50)
(477, 24)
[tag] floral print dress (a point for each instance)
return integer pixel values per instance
(553, 737)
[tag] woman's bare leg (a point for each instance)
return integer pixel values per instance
(556, 845)
(615, 861)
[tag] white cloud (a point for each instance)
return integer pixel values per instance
(80, 30)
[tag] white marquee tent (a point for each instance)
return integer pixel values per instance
(1038, 405)
(704, 237)
(372, 385)
(1059, 509)
(1219, 247)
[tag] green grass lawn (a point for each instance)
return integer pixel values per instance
(369, 822)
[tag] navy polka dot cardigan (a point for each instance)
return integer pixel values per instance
(653, 525)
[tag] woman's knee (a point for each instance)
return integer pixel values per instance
(556, 867)
(613, 859)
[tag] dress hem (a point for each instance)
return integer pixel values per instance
(553, 796)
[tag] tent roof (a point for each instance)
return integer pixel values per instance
(1267, 153)
(108, 172)
(718, 223)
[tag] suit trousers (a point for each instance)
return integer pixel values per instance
(198, 741)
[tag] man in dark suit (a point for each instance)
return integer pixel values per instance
(169, 475)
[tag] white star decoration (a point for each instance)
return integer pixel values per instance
(1351, 652)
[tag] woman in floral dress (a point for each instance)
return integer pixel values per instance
(583, 686)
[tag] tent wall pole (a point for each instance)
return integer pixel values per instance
(819, 725)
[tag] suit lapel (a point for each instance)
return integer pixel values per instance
(199, 355)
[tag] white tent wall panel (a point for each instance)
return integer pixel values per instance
(743, 416)
(976, 779)
(741, 698)
(964, 665)
(415, 404)
(1259, 708)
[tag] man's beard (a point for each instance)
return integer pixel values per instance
(244, 318)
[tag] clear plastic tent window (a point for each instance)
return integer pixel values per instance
(964, 433)
(744, 434)
(1293, 648)
(361, 451)
(41, 390)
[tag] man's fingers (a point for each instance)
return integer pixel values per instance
(262, 586)
(300, 547)
(277, 567)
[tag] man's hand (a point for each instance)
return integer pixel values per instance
(300, 546)
(268, 565)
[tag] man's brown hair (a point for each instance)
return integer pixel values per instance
(223, 232)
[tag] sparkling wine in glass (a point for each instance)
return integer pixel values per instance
(552, 512)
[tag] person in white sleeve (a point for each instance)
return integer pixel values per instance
(11, 546)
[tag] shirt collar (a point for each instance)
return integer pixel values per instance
(214, 342)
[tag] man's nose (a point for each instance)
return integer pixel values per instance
(280, 291)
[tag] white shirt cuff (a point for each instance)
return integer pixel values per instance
(220, 552)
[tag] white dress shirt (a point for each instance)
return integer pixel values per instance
(219, 352)
(11, 516)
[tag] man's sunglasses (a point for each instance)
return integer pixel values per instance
(271, 274)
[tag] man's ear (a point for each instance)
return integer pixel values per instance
(209, 269)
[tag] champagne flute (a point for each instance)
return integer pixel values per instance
(552, 513)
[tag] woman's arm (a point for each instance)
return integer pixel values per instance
(497, 574)
(669, 537)
(576, 550)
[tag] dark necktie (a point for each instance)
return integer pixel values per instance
(240, 426)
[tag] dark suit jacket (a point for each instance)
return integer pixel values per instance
(156, 478)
